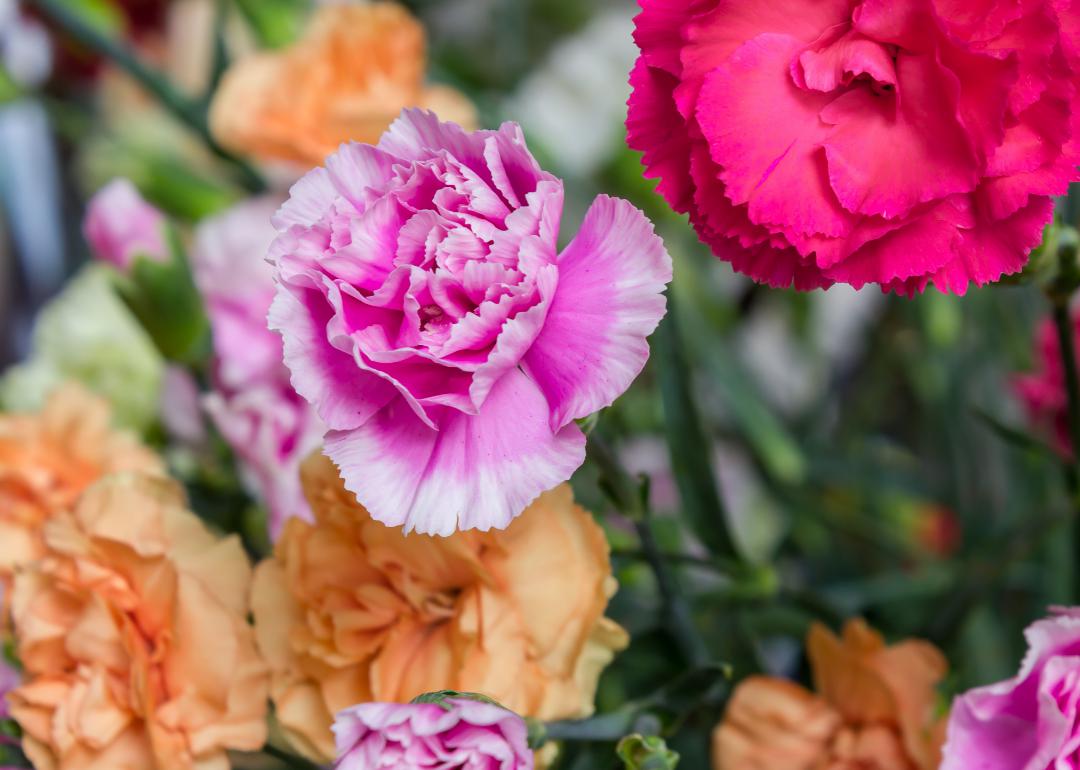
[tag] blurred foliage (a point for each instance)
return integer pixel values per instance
(87, 334)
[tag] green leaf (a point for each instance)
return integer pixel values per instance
(777, 450)
(688, 442)
(276, 23)
(1013, 436)
(441, 697)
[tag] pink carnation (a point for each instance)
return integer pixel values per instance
(270, 428)
(446, 342)
(414, 736)
(1031, 722)
(902, 142)
(1043, 391)
(120, 226)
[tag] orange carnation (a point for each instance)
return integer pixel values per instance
(349, 610)
(355, 69)
(133, 636)
(874, 709)
(48, 459)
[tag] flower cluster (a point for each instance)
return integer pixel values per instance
(356, 354)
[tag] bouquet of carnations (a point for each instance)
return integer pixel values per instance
(345, 448)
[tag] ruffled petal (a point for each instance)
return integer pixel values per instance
(343, 396)
(309, 199)
(475, 472)
(883, 145)
(609, 300)
(655, 128)
(764, 133)
(992, 249)
(919, 247)
(711, 37)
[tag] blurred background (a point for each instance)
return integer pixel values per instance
(869, 452)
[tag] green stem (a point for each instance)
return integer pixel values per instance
(676, 608)
(1067, 342)
(684, 559)
(292, 761)
(630, 498)
(192, 113)
(601, 728)
(220, 62)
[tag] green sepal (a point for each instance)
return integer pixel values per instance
(641, 752)
(163, 297)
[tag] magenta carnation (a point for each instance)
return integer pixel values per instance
(1043, 391)
(269, 427)
(449, 346)
(120, 225)
(1031, 722)
(899, 142)
(415, 736)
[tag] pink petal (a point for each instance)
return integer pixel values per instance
(120, 226)
(712, 211)
(913, 26)
(921, 246)
(764, 132)
(608, 302)
(837, 64)
(992, 249)
(475, 472)
(781, 268)
(920, 130)
(655, 128)
(983, 100)
(309, 200)
(977, 19)
(711, 37)
(517, 337)
(658, 31)
(344, 395)
(359, 173)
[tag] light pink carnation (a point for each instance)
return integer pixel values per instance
(1031, 722)
(415, 736)
(270, 428)
(1043, 391)
(120, 226)
(902, 142)
(446, 342)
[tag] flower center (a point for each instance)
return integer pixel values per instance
(849, 60)
(439, 606)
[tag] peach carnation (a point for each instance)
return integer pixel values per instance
(133, 635)
(874, 709)
(347, 79)
(47, 460)
(351, 611)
